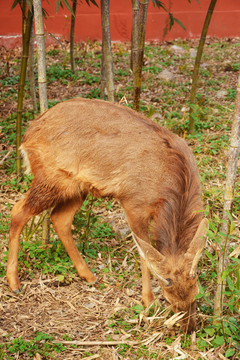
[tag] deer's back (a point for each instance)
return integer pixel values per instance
(103, 146)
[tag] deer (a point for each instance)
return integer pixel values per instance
(89, 146)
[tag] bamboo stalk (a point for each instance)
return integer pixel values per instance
(135, 32)
(141, 43)
(103, 77)
(31, 70)
(42, 79)
(27, 25)
(107, 51)
(227, 208)
(42, 85)
(96, 343)
(197, 63)
(73, 18)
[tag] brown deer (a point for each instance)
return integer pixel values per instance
(86, 146)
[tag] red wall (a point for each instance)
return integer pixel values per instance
(225, 21)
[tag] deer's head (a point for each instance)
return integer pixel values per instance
(177, 275)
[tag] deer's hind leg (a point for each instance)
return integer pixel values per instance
(62, 217)
(20, 215)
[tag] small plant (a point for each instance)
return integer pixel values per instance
(53, 52)
(41, 344)
(231, 94)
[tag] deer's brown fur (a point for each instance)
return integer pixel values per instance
(89, 146)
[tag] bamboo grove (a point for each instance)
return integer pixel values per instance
(33, 9)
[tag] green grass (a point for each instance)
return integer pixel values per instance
(41, 344)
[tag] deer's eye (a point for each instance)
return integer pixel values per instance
(169, 282)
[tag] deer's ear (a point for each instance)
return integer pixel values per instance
(152, 257)
(146, 250)
(197, 245)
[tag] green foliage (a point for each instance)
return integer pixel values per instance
(41, 344)
(53, 258)
(152, 69)
(94, 94)
(225, 333)
(226, 330)
(53, 52)
(10, 80)
(19, 185)
(231, 94)
(56, 72)
(92, 228)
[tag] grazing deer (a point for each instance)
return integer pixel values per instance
(86, 146)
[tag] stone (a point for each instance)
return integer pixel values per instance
(166, 75)
(193, 53)
(177, 49)
(221, 94)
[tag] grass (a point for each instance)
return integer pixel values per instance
(114, 305)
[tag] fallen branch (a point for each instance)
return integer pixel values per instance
(5, 157)
(96, 343)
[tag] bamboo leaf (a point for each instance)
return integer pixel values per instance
(57, 5)
(179, 23)
(232, 227)
(15, 3)
(224, 274)
(45, 13)
(198, 296)
(210, 256)
(159, 4)
(196, 1)
(230, 283)
(29, 4)
(92, 1)
(171, 21)
(229, 215)
(220, 233)
(66, 3)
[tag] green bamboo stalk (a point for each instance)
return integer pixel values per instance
(103, 77)
(42, 85)
(31, 70)
(141, 43)
(227, 208)
(23, 7)
(135, 32)
(26, 38)
(73, 18)
(107, 51)
(42, 79)
(197, 63)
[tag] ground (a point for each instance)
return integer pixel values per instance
(60, 316)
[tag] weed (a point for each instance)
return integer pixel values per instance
(231, 94)
(152, 69)
(93, 94)
(41, 344)
(20, 184)
(53, 52)
(10, 81)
